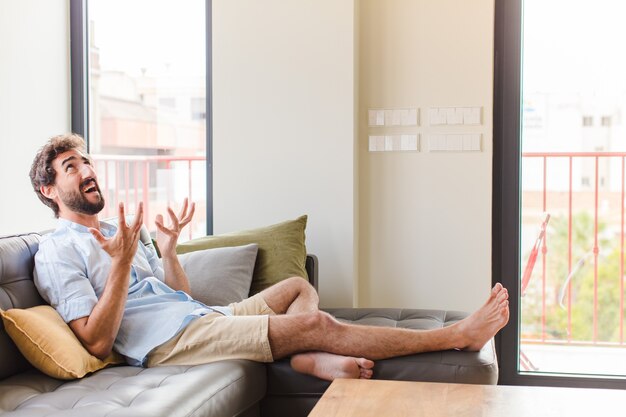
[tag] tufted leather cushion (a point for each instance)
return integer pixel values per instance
(445, 366)
(292, 394)
(17, 290)
(16, 270)
(225, 388)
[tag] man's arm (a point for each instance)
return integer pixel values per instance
(167, 237)
(97, 332)
(175, 276)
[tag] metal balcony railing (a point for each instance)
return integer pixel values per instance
(157, 181)
(589, 182)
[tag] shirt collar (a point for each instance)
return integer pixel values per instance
(105, 228)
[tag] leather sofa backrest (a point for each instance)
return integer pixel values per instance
(17, 290)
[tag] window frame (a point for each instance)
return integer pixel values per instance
(79, 65)
(507, 199)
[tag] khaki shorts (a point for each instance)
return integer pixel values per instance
(215, 337)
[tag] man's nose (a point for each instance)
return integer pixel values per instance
(87, 171)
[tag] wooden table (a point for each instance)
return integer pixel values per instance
(375, 398)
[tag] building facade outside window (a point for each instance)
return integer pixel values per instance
(146, 79)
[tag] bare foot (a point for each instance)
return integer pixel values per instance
(329, 366)
(484, 323)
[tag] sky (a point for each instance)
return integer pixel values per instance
(574, 45)
(152, 34)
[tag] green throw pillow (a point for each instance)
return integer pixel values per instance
(282, 252)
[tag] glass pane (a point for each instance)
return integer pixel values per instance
(573, 149)
(147, 108)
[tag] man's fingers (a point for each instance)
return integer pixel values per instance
(183, 210)
(159, 224)
(121, 216)
(190, 214)
(177, 222)
(158, 221)
(97, 235)
(162, 228)
(173, 218)
(138, 217)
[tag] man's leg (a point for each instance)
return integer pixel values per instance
(295, 296)
(318, 331)
(291, 296)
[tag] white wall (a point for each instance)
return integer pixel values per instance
(425, 218)
(34, 102)
(293, 82)
(284, 127)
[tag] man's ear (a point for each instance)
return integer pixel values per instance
(49, 191)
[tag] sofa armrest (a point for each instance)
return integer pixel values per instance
(312, 269)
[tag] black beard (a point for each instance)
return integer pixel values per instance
(77, 202)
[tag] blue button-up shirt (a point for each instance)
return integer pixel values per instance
(71, 271)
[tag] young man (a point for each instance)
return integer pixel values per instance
(116, 294)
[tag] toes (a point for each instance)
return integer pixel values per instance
(366, 374)
(364, 363)
(503, 295)
(504, 311)
(365, 368)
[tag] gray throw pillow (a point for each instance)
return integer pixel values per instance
(220, 276)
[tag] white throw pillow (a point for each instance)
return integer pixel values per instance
(220, 276)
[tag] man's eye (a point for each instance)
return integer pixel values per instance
(69, 168)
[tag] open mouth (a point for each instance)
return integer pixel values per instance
(89, 186)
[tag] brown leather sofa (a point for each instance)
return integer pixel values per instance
(228, 388)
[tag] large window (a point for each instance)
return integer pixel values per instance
(140, 92)
(559, 188)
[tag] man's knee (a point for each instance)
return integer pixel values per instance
(319, 320)
(289, 334)
(298, 283)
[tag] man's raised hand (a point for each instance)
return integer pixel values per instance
(123, 245)
(167, 236)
